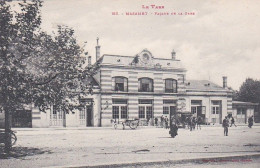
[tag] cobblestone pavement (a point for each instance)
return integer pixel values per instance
(103, 146)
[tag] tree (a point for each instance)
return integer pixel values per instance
(36, 67)
(249, 91)
(15, 45)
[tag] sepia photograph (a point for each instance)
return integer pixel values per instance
(129, 83)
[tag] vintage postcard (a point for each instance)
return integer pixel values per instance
(120, 83)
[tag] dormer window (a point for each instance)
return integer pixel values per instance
(119, 84)
(170, 86)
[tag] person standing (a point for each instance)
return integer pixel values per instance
(233, 122)
(194, 121)
(225, 124)
(166, 122)
(199, 122)
(162, 121)
(174, 126)
(250, 121)
(191, 123)
(156, 121)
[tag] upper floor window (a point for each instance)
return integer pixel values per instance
(119, 84)
(145, 85)
(170, 86)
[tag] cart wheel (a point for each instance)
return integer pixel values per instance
(13, 138)
(133, 125)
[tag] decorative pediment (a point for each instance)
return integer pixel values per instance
(144, 58)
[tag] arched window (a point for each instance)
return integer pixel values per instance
(119, 83)
(170, 86)
(145, 85)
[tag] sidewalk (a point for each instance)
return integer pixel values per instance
(178, 162)
(105, 128)
(95, 147)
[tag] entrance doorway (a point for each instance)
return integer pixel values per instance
(86, 112)
(89, 116)
(172, 111)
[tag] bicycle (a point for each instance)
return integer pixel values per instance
(13, 137)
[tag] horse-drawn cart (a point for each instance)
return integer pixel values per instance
(132, 123)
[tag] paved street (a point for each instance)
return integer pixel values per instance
(102, 146)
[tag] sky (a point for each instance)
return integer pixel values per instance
(219, 38)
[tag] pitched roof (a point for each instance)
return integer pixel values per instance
(128, 61)
(203, 85)
(244, 103)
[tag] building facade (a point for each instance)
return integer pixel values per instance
(140, 86)
(243, 110)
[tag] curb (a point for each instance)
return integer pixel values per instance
(235, 158)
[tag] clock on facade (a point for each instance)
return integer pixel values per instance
(145, 58)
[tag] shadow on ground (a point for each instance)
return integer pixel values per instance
(19, 152)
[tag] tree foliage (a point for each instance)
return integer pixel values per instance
(249, 91)
(36, 67)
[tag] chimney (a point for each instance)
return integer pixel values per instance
(97, 50)
(173, 55)
(224, 82)
(89, 60)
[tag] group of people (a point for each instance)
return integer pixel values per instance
(192, 122)
(227, 120)
(163, 122)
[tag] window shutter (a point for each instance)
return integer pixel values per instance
(150, 85)
(113, 84)
(164, 86)
(139, 85)
(125, 85)
(175, 86)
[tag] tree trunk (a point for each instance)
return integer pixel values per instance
(8, 123)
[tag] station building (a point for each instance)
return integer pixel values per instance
(144, 87)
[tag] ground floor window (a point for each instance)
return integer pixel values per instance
(241, 111)
(193, 110)
(124, 112)
(115, 112)
(145, 109)
(56, 116)
(215, 107)
(195, 106)
(82, 113)
(119, 109)
(141, 112)
(149, 112)
(166, 109)
(215, 110)
(241, 115)
(167, 104)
